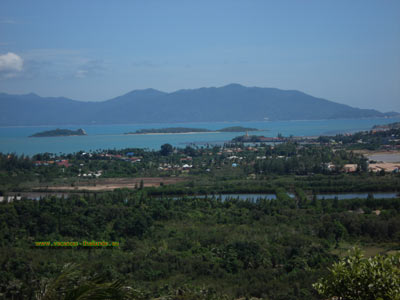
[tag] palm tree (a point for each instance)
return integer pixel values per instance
(73, 285)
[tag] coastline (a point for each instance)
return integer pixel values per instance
(15, 139)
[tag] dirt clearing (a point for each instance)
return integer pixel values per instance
(109, 184)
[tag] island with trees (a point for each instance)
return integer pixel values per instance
(238, 129)
(177, 130)
(60, 132)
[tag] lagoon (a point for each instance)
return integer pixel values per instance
(357, 195)
(255, 197)
(224, 197)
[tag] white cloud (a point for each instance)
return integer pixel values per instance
(7, 21)
(61, 64)
(81, 73)
(10, 64)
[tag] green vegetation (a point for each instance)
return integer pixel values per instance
(59, 132)
(237, 129)
(267, 249)
(369, 140)
(312, 167)
(176, 244)
(169, 130)
(356, 277)
(74, 283)
(253, 139)
(188, 130)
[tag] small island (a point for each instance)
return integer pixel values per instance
(60, 132)
(237, 129)
(169, 130)
(177, 130)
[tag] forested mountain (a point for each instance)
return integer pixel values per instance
(233, 102)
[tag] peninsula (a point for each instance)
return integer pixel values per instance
(395, 125)
(60, 132)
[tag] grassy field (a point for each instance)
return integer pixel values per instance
(369, 250)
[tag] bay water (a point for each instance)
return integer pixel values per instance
(17, 140)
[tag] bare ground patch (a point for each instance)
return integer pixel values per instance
(376, 152)
(109, 184)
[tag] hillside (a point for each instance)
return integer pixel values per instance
(233, 102)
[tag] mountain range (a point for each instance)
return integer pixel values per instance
(232, 102)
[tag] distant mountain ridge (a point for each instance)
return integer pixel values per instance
(232, 102)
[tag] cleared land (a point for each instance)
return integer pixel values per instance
(381, 156)
(110, 184)
(385, 157)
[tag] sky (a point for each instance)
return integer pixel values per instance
(93, 50)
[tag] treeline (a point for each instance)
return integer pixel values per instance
(271, 249)
(312, 184)
(316, 168)
(370, 140)
(291, 158)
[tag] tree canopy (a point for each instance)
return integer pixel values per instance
(166, 149)
(356, 277)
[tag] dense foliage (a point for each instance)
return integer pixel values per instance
(371, 140)
(188, 129)
(59, 132)
(222, 166)
(356, 277)
(185, 241)
(169, 130)
(268, 249)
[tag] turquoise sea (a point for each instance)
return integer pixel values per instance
(16, 139)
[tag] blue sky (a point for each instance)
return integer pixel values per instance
(345, 51)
